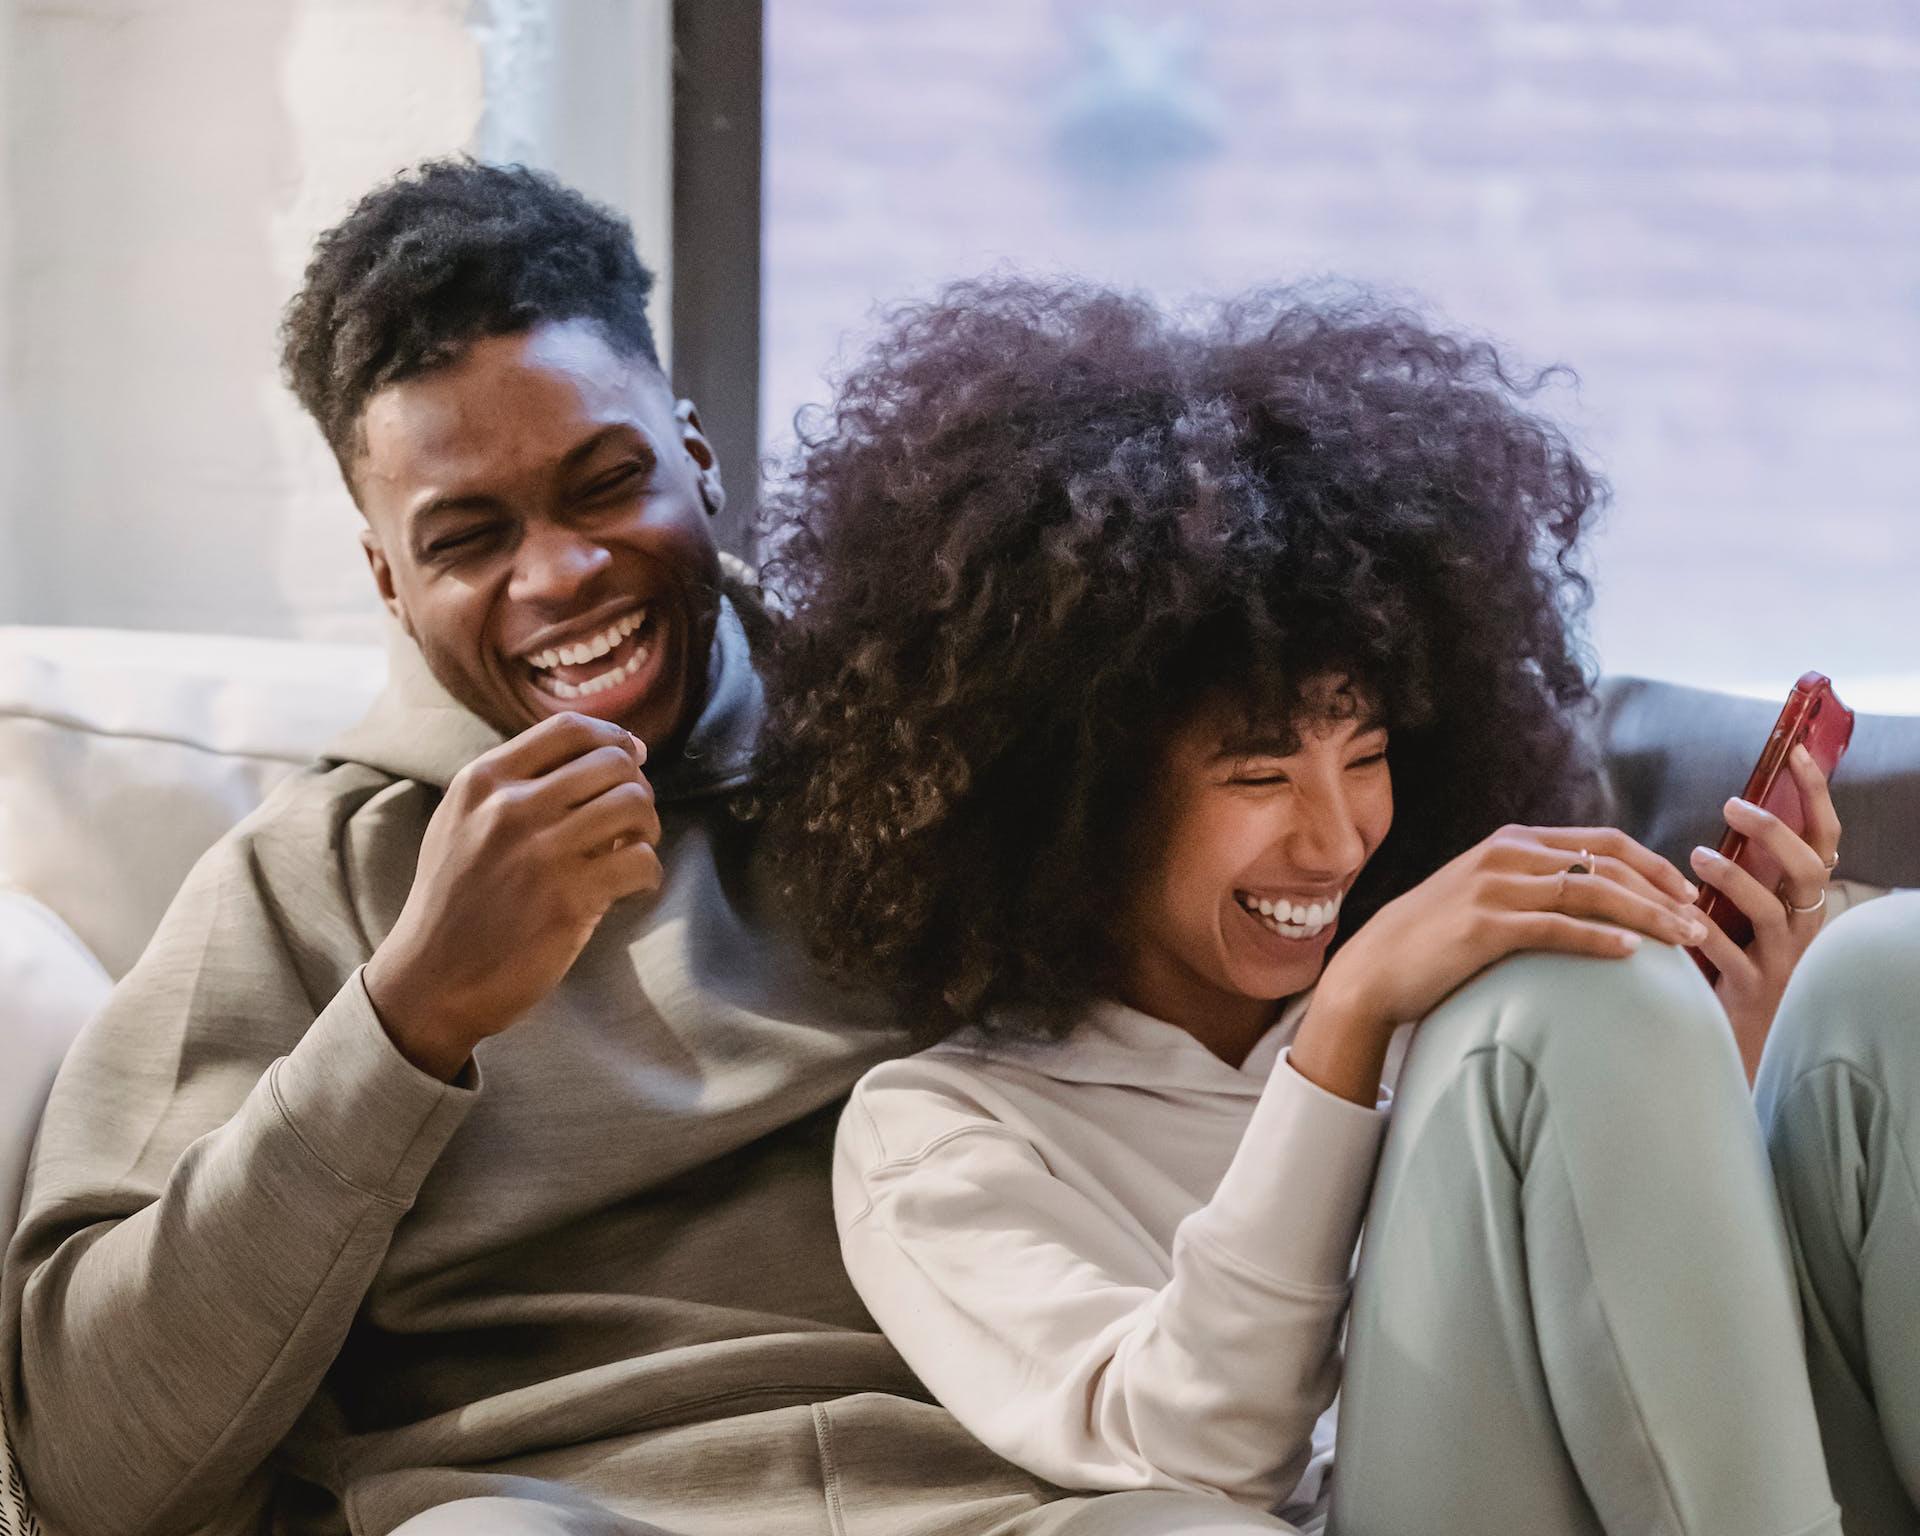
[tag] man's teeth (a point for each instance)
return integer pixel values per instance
(603, 681)
(592, 649)
(1295, 919)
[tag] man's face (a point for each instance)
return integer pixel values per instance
(536, 522)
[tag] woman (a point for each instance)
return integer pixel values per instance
(1166, 716)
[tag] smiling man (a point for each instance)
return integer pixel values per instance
(456, 1157)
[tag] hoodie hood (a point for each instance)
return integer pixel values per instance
(417, 730)
(1115, 1044)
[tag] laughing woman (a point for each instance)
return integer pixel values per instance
(1165, 716)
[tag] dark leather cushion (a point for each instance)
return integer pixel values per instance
(1674, 754)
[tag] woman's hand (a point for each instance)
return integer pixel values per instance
(1521, 888)
(1752, 979)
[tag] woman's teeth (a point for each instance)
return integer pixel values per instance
(1291, 919)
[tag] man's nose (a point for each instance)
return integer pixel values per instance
(553, 564)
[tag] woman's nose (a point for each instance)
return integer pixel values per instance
(1326, 838)
(554, 563)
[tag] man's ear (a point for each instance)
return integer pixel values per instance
(713, 494)
(383, 579)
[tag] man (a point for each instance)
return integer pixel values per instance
(456, 1156)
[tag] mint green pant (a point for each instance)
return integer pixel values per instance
(1576, 1310)
(1839, 1099)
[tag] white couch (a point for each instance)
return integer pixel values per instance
(123, 756)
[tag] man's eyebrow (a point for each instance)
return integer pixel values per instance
(581, 451)
(439, 506)
(479, 501)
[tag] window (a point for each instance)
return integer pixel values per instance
(1710, 215)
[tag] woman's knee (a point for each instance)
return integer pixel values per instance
(1854, 997)
(1648, 1012)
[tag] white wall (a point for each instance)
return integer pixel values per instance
(170, 164)
(585, 88)
(9, 566)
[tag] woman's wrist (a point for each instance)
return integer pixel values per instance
(1342, 1044)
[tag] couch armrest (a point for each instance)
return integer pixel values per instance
(50, 985)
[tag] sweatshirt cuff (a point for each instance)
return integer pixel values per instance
(1292, 1200)
(373, 1118)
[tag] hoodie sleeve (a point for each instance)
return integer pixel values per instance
(1032, 1312)
(219, 1170)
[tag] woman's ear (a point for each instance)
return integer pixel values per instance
(713, 495)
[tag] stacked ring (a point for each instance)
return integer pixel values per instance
(1828, 863)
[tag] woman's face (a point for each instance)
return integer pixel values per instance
(1251, 845)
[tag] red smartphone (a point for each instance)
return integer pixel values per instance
(1813, 716)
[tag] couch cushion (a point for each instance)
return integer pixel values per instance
(124, 755)
(1674, 755)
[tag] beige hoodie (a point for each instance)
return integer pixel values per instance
(268, 1270)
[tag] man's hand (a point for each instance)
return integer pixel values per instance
(533, 843)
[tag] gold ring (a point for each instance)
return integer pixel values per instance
(1803, 911)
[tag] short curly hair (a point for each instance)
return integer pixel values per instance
(1045, 521)
(439, 257)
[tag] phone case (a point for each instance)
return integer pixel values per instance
(1813, 715)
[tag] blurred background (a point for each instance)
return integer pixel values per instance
(1708, 209)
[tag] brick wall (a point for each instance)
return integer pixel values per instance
(1710, 209)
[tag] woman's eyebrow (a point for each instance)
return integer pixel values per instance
(1278, 744)
(1258, 746)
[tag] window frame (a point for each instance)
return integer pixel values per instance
(718, 90)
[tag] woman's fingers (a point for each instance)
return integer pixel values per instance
(1545, 860)
(1762, 906)
(1596, 897)
(1567, 935)
(1805, 870)
(1612, 843)
(1823, 821)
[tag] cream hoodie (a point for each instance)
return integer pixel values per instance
(1119, 1261)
